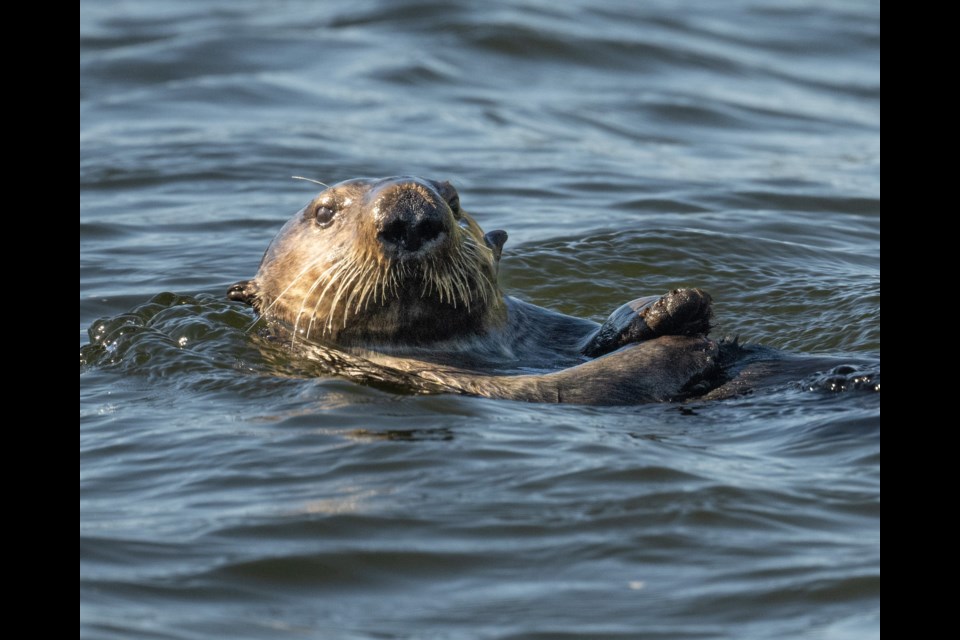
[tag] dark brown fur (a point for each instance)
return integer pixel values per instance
(391, 280)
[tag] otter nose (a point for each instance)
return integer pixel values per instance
(410, 219)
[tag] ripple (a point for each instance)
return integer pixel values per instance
(231, 487)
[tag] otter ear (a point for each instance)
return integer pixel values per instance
(244, 291)
(495, 240)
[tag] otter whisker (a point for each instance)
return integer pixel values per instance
(303, 272)
(359, 293)
(320, 279)
(451, 292)
(395, 276)
(384, 275)
(331, 277)
(338, 279)
(462, 292)
(442, 285)
(443, 288)
(369, 287)
(376, 283)
(429, 282)
(359, 287)
(348, 284)
(334, 286)
(364, 279)
(454, 284)
(322, 184)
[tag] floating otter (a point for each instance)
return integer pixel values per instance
(391, 280)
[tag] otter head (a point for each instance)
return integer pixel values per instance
(391, 261)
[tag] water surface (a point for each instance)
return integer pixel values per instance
(628, 148)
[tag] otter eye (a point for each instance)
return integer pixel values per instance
(450, 195)
(323, 214)
(454, 204)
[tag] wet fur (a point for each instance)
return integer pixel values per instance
(434, 319)
(345, 290)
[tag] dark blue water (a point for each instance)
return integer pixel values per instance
(628, 148)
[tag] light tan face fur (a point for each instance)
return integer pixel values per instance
(381, 261)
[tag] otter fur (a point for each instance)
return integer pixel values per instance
(390, 280)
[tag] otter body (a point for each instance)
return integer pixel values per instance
(390, 280)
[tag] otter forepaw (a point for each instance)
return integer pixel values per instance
(682, 312)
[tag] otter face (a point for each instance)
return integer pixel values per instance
(391, 261)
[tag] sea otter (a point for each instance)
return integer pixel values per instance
(390, 279)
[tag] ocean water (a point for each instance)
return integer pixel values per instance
(628, 148)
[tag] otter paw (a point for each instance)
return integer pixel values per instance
(682, 312)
